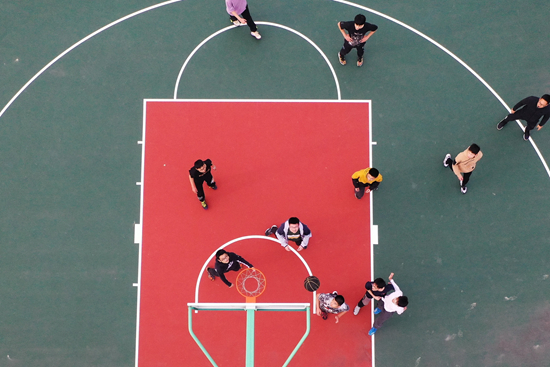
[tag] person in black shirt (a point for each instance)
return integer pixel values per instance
(199, 173)
(376, 289)
(226, 261)
(533, 110)
(355, 35)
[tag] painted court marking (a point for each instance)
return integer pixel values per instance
(197, 286)
(264, 23)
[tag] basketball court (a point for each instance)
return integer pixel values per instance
(76, 137)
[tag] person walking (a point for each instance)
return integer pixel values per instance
(464, 164)
(533, 110)
(240, 15)
(199, 173)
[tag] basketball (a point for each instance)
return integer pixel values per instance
(312, 283)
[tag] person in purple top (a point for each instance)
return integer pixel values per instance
(240, 15)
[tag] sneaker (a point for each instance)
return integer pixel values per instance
(360, 62)
(271, 230)
(256, 35)
(377, 311)
(204, 205)
(214, 187)
(208, 270)
(372, 331)
(356, 310)
(324, 315)
(445, 164)
(335, 293)
(341, 59)
(236, 23)
(464, 189)
(525, 137)
(501, 124)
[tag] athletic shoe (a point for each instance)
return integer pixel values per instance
(501, 124)
(324, 315)
(525, 137)
(236, 23)
(335, 293)
(204, 205)
(377, 311)
(214, 187)
(445, 164)
(271, 230)
(464, 189)
(341, 59)
(256, 35)
(360, 62)
(372, 331)
(356, 310)
(208, 270)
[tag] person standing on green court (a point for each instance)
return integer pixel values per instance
(533, 110)
(387, 306)
(464, 164)
(199, 173)
(355, 36)
(240, 15)
(365, 180)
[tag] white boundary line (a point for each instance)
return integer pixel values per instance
(441, 47)
(140, 256)
(371, 229)
(78, 44)
(263, 23)
(203, 269)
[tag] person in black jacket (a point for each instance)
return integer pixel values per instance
(226, 261)
(533, 110)
(199, 173)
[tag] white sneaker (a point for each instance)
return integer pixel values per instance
(356, 310)
(445, 160)
(256, 34)
(236, 23)
(464, 189)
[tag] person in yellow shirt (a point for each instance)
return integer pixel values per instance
(366, 180)
(464, 164)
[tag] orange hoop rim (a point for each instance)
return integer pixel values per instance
(251, 273)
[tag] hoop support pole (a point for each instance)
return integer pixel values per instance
(197, 339)
(308, 328)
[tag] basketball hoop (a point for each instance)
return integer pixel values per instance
(251, 284)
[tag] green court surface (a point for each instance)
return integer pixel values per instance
(475, 266)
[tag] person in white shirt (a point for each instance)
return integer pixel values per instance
(388, 305)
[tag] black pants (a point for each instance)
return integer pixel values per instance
(198, 183)
(465, 176)
(519, 116)
(346, 48)
(365, 300)
(246, 15)
(383, 316)
(373, 186)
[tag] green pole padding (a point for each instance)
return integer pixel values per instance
(197, 339)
